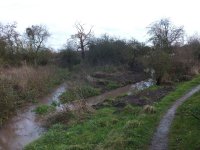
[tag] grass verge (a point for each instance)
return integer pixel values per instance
(79, 92)
(185, 135)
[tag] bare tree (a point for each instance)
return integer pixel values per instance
(10, 36)
(164, 35)
(82, 37)
(37, 36)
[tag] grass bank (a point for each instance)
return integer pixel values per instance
(185, 130)
(130, 127)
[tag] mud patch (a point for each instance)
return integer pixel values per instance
(147, 97)
(110, 81)
(120, 77)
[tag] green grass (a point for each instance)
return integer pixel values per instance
(59, 77)
(153, 88)
(68, 96)
(106, 68)
(185, 129)
(43, 109)
(77, 93)
(87, 91)
(110, 128)
(112, 85)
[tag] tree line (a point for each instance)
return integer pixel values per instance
(168, 54)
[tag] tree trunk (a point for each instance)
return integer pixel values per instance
(82, 50)
(158, 80)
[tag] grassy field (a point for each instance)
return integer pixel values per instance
(109, 127)
(185, 129)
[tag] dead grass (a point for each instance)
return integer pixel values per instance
(21, 85)
(25, 74)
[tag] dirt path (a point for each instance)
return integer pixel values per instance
(160, 138)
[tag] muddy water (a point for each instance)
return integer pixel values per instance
(129, 89)
(25, 127)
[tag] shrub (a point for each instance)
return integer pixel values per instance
(108, 50)
(44, 57)
(68, 58)
(183, 62)
(160, 61)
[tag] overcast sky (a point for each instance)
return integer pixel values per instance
(120, 18)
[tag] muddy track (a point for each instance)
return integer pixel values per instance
(160, 138)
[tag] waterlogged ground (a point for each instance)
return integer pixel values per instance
(25, 126)
(112, 127)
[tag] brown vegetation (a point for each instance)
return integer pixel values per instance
(18, 86)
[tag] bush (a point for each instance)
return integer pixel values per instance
(108, 50)
(44, 57)
(160, 61)
(182, 62)
(68, 58)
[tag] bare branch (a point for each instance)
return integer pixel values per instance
(82, 37)
(37, 35)
(164, 35)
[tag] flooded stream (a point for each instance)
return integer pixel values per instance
(25, 126)
(129, 89)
